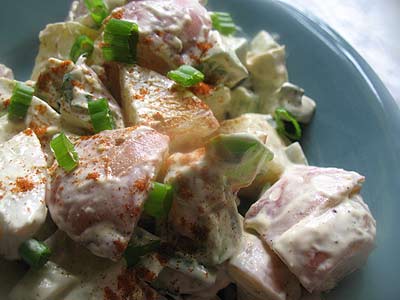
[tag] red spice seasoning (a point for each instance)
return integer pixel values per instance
(23, 185)
(6, 103)
(202, 89)
(94, 176)
(41, 108)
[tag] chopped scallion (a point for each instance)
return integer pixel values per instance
(134, 252)
(100, 115)
(34, 253)
(186, 76)
(20, 100)
(240, 157)
(287, 125)
(83, 46)
(159, 201)
(120, 41)
(98, 10)
(64, 152)
(232, 147)
(223, 22)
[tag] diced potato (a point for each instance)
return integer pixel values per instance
(23, 175)
(238, 44)
(314, 219)
(172, 32)
(322, 250)
(41, 118)
(203, 212)
(220, 64)
(256, 269)
(266, 63)
(56, 41)
(242, 101)
(68, 88)
(218, 99)
(204, 215)
(99, 203)
(261, 43)
(151, 99)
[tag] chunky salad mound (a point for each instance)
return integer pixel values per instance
(154, 154)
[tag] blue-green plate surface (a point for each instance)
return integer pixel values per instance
(356, 127)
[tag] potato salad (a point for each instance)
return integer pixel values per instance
(155, 153)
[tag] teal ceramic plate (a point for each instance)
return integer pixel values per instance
(356, 127)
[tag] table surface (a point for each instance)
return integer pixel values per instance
(371, 27)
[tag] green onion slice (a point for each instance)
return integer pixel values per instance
(98, 10)
(100, 114)
(286, 124)
(83, 45)
(159, 201)
(120, 41)
(34, 253)
(240, 156)
(134, 253)
(64, 152)
(20, 100)
(223, 22)
(232, 147)
(186, 76)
